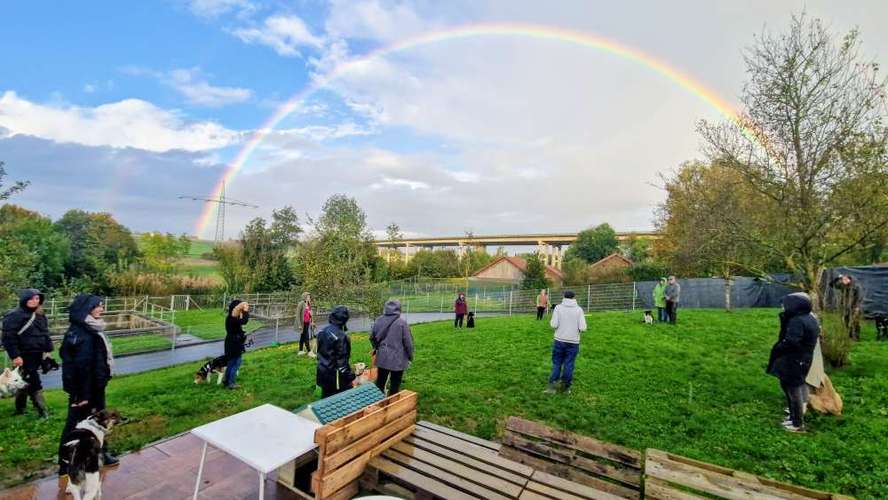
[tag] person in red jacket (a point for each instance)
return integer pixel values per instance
(461, 308)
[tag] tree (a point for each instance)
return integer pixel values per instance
(265, 251)
(32, 250)
(98, 246)
(231, 267)
(594, 244)
(5, 194)
(160, 252)
(812, 143)
(535, 274)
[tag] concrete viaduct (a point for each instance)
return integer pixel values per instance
(550, 245)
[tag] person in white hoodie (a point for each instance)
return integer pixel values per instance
(568, 320)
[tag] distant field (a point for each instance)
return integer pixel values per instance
(200, 247)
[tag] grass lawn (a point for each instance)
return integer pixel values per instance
(208, 324)
(140, 343)
(697, 389)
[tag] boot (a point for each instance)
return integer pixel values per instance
(108, 459)
(21, 402)
(40, 404)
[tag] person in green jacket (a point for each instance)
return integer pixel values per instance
(660, 300)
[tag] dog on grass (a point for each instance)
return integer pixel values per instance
(470, 321)
(82, 451)
(11, 382)
(881, 327)
(215, 365)
(648, 317)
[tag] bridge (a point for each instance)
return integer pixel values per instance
(550, 246)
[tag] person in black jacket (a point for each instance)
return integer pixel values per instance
(334, 374)
(792, 355)
(235, 337)
(87, 361)
(26, 340)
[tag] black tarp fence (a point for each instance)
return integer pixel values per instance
(710, 292)
(873, 281)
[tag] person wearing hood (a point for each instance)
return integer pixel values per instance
(460, 308)
(304, 323)
(334, 373)
(569, 321)
(393, 346)
(659, 295)
(87, 363)
(26, 341)
(792, 355)
(235, 337)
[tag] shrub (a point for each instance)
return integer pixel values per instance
(835, 343)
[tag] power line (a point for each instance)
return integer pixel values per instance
(222, 201)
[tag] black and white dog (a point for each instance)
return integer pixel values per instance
(216, 365)
(83, 452)
(648, 317)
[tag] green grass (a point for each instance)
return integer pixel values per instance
(199, 247)
(698, 389)
(208, 324)
(140, 343)
(199, 267)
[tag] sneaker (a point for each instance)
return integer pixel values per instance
(792, 428)
(566, 391)
(312, 355)
(551, 389)
(232, 386)
(300, 353)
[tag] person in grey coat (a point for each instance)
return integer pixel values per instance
(393, 346)
(672, 292)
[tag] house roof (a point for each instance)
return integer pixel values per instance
(610, 258)
(518, 262)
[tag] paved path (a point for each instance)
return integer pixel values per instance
(262, 337)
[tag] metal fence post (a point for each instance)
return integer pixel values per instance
(442, 304)
(510, 302)
(276, 322)
(476, 303)
(588, 297)
(634, 295)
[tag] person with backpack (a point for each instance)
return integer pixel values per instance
(460, 308)
(392, 344)
(305, 321)
(87, 364)
(334, 373)
(26, 341)
(235, 338)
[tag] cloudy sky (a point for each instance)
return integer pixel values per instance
(124, 106)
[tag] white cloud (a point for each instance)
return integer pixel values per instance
(374, 20)
(283, 33)
(128, 123)
(194, 87)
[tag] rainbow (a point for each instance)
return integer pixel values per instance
(469, 31)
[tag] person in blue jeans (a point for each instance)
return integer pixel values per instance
(569, 321)
(235, 337)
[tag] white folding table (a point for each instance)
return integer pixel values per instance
(265, 438)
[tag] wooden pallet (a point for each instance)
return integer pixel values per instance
(673, 477)
(603, 466)
(345, 446)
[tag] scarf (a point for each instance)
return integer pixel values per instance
(99, 326)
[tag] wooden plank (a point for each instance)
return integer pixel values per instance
(417, 480)
(467, 460)
(532, 495)
(577, 489)
(661, 466)
(549, 492)
(444, 476)
(472, 450)
(366, 443)
(578, 442)
(322, 432)
(626, 475)
(478, 477)
(343, 436)
(351, 471)
(568, 472)
(661, 490)
(350, 491)
(538, 448)
(461, 435)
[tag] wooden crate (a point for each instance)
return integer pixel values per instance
(673, 477)
(581, 459)
(345, 446)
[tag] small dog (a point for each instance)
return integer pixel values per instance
(364, 375)
(881, 327)
(11, 382)
(48, 364)
(205, 374)
(648, 317)
(83, 453)
(470, 322)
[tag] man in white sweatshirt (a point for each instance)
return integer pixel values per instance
(568, 321)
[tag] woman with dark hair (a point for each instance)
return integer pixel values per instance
(460, 308)
(334, 373)
(235, 337)
(87, 361)
(26, 340)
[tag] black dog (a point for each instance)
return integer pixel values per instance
(881, 327)
(216, 365)
(470, 322)
(83, 453)
(48, 364)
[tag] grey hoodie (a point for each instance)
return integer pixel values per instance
(568, 321)
(391, 338)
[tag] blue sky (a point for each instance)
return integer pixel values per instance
(123, 106)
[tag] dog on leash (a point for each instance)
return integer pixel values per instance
(648, 317)
(205, 373)
(470, 321)
(83, 452)
(11, 382)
